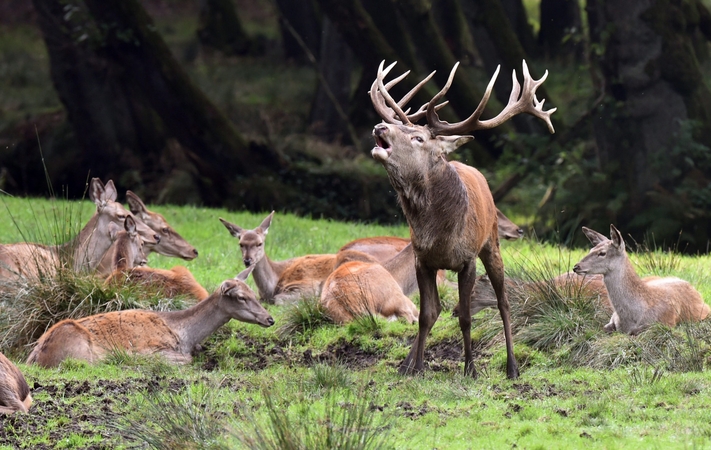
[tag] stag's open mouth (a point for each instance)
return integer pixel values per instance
(382, 148)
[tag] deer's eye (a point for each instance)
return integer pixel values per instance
(122, 216)
(260, 244)
(602, 254)
(165, 230)
(418, 139)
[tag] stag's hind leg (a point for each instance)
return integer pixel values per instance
(491, 257)
(430, 308)
(466, 279)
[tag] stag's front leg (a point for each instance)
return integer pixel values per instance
(429, 312)
(491, 257)
(466, 279)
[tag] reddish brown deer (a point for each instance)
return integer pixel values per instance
(280, 282)
(126, 251)
(171, 243)
(638, 302)
(172, 334)
(14, 391)
(84, 252)
(178, 281)
(448, 205)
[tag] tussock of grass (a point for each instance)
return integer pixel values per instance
(303, 317)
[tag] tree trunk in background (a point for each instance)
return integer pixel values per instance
(302, 18)
(220, 28)
(519, 22)
(560, 35)
(654, 84)
(336, 65)
(134, 111)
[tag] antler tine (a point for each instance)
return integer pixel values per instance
(520, 101)
(414, 90)
(383, 110)
(431, 113)
(386, 95)
(423, 111)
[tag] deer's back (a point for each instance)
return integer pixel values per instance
(674, 300)
(27, 259)
(309, 270)
(382, 248)
(135, 330)
(170, 283)
(14, 391)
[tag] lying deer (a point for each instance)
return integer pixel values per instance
(638, 302)
(84, 252)
(360, 285)
(280, 282)
(172, 334)
(177, 281)
(448, 205)
(125, 252)
(171, 243)
(14, 391)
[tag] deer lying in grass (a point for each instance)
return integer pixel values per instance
(125, 252)
(280, 282)
(177, 281)
(84, 252)
(172, 334)
(448, 205)
(171, 243)
(360, 285)
(638, 302)
(14, 391)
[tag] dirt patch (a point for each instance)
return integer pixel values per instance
(344, 353)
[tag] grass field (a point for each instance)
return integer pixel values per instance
(327, 386)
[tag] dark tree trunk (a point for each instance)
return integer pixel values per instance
(654, 86)
(220, 28)
(334, 92)
(299, 16)
(561, 35)
(519, 22)
(134, 111)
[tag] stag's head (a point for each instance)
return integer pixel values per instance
(606, 256)
(240, 301)
(251, 242)
(171, 243)
(405, 148)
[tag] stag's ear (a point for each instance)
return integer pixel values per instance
(135, 204)
(242, 276)
(593, 236)
(234, 230)
(266, 223)
(110, 193)
(616, 236)
(451, 143)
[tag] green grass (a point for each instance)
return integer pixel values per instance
(325, 383)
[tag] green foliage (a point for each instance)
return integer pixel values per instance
(303, 317)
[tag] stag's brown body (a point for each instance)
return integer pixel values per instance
(172, 334)
(14, 391)
(448, 206)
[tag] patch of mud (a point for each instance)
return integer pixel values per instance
(344, 353)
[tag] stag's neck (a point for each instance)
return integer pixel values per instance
(402, 269)
(435, 206)
(195, 324)
(627, 291)
(266, 275)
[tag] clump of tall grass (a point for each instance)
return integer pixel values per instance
(344, 420)
(303, 317)
(656, 260)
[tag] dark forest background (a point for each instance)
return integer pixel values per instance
(262, 104)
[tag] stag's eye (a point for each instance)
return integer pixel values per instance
(418, 139)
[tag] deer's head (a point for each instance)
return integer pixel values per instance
(251, 242)
(129, 245)
(171, 243)
(407, 149)
(240, 302)
(606, 256)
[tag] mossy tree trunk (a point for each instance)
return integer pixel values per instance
(561, 32)
(647, 143)
(134, 111)
(221, 29)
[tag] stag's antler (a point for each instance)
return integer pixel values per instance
(520, 101)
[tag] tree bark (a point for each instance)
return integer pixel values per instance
(302, 18)
(560, 35)
(220, 28)
(130, 102)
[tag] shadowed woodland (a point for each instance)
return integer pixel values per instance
(261, 105)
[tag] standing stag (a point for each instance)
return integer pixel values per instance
(638, 302)
(448, 205)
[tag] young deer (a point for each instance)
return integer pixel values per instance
(14, 391)
(360, 285)
(448, 205)
(280, 282)
(177, 281)
(638, 302)
(84, 252)
(171, 243)
(172, 334)
(126, 251)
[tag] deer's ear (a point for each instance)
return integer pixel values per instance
(242, 276)
(266, 223)
(234, 230)
(96, 190)
(129, 225)
(135, 204)
(593, 236)
(616, 236)
(451, 143)
(110, 193)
